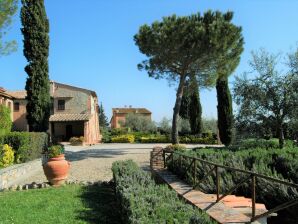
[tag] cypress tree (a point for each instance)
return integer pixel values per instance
(227, 62)
(191, 108)
(103, 120)
(224, 110)
(36, 50)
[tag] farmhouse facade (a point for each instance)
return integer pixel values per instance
(74, 113)
(119, 115)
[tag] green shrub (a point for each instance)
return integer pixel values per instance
(27, 145)
(5, 119)
(155, 139)
(76, 140)
(106, 135)
(119, 131)
(278, 163)
(55, 150)
(6, 156)
(123, 139)
(176, 147)
(142, 201)
(205, 139)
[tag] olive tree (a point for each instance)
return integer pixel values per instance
(271, 97)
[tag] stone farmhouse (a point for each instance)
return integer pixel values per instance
(74, 112)
(119, 115)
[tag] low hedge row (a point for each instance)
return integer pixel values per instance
(123, 139)
(150, 138)
(142, 201)
(27, 146)
(277, 163)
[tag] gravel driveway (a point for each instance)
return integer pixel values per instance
(93, 163)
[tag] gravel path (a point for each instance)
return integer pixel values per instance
(93, 163)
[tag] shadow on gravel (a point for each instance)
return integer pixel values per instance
(100, 203)
(81, 155)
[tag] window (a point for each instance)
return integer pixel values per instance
(61, 104)
(16, 106)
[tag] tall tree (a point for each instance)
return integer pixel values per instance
(8, 9)
(191, 108)
(36, 50)
(181, 47)
(232, 42)
(270, 97)
(195, 109)
(103, 120)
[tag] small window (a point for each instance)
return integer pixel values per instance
(61, 104)
(16, 106)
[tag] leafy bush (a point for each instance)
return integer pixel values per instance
(142, 201)
(76, 140)
(175, 147)
(205, 139)
(277, 163)
(123, 139)
(6, 156)
(155, 139)
(5, 119)
(106, 135)
(55, 150)
(27, 145)
(119, 131)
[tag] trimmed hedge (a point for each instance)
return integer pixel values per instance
(142, 201)
(26, 145)
(278, 163)
(123, 139)
(139, 137)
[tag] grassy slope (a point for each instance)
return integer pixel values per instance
(68, 204)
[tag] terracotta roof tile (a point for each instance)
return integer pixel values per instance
(70, 117)
(18, 94)
(131, 110)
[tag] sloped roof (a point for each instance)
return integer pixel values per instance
(93, 93)
(18, 94)
(131, 110)
(69, 117)
(4, 93)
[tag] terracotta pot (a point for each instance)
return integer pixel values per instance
(56, 170)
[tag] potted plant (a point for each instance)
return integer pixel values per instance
(56, 168)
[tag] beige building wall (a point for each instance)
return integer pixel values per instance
(19, 116)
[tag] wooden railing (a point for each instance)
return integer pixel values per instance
(252, 177)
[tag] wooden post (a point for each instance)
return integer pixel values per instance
(217, 182)
(194, 172)
(253, 195)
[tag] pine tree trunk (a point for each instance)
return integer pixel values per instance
(224, 111)
(176, 110)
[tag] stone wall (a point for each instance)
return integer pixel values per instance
(14, 174)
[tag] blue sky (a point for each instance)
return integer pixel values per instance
(91, 46)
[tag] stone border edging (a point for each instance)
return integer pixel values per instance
(12, 175)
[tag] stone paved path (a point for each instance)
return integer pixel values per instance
(93, 163)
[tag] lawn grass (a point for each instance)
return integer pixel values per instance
(67, 204)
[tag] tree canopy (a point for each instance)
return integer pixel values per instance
(8, 9)
(178, 48)
(271, 97)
